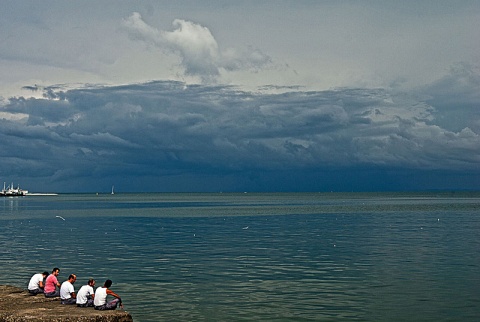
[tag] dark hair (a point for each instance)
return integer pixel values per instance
(45, 273)
(108, 283)
(55, 269)
(71, 276)
(90, 281)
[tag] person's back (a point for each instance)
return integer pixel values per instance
(67, 291)
(33, 284)
(100, 301)
(86, 295)
(36, 285)
(51, 284)
(100, 296)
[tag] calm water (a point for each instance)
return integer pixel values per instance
(257, 257)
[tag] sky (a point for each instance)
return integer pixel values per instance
(234, 96)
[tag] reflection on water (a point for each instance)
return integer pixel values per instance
(10, 204)
(177, 257)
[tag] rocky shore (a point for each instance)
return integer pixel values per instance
(17, 305)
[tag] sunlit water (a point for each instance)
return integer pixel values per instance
(257, 257)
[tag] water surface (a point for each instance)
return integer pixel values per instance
(238, 257)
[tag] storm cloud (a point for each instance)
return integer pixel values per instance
(163, 129)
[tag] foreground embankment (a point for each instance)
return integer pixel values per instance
(17, 305)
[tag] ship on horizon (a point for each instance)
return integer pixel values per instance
(11, 191)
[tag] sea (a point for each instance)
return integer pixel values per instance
(257, 256)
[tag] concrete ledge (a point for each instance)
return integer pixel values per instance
(17, 305)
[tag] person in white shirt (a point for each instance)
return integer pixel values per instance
(67, 292)
(86, 294)
(100, 301)
(36, 285)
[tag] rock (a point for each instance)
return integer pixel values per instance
(17, 305)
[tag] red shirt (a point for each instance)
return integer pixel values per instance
(50, 284)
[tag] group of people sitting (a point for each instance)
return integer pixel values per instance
(47, 284)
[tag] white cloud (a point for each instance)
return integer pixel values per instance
(197, 48)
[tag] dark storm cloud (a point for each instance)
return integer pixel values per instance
(160, 129)
(456, 98)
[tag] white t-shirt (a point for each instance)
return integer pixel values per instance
(65, 290)
(100, 296)
(82, 294)
(37, 278)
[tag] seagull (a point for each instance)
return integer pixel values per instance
(60, 217)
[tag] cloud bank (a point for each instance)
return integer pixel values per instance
(198, 50)
(223, 138)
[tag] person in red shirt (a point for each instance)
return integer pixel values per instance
(51, 284)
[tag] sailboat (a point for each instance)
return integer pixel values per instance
(112, 191)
